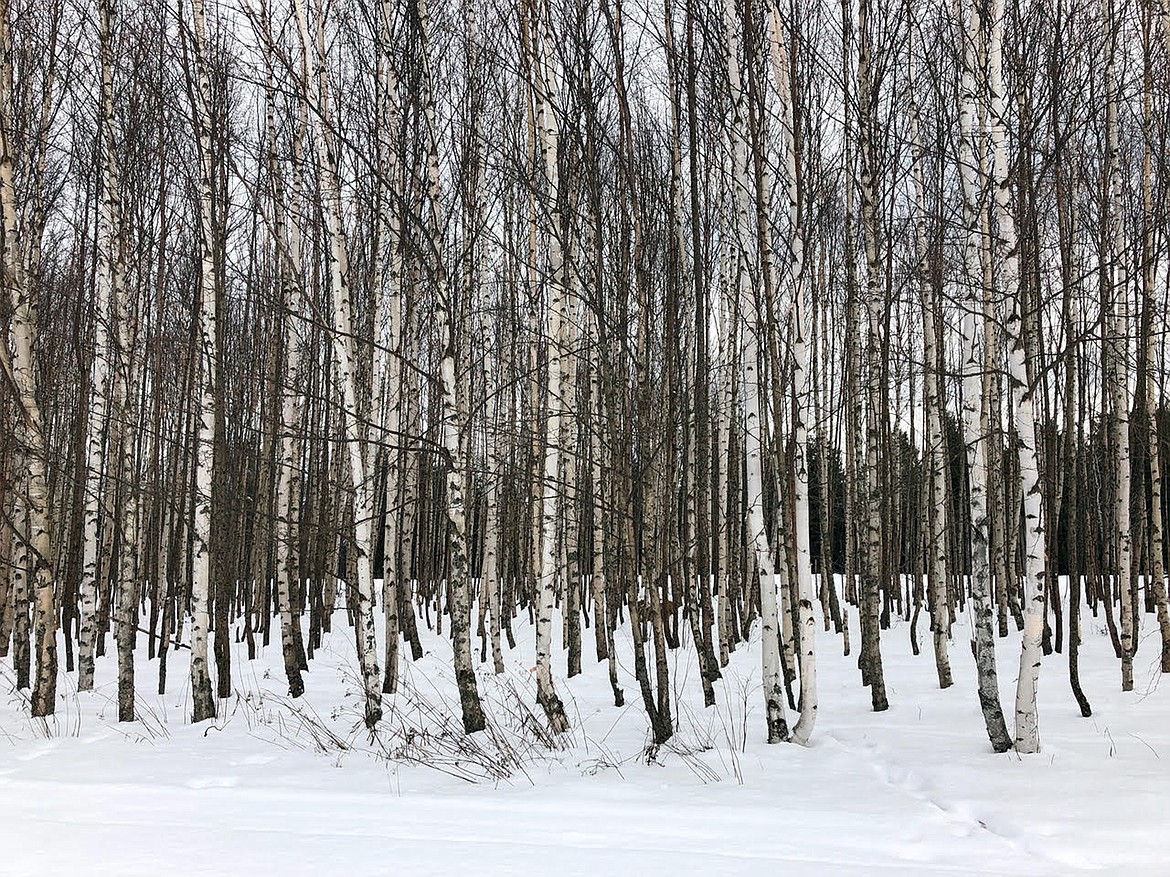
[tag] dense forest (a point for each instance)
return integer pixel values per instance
(480, 313)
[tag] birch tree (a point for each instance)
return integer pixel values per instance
(35, 543)
(548, 137)
(345, 355)
(871, 656)
(931, 402)
(98, 419)
(750, 390)
(802, 731)
(1027, 736)
(203, 703)
(1115, 356)
(452, 416)
(982, 635)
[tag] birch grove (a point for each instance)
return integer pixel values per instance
(644, 329)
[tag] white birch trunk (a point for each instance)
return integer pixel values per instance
(773, 679)
(982, 635)
(547, 136)
(1153, 384)
(806, 590)
(727, 404)
(203, 702)
(345, 359)
(1027, 738)
(1116, 327)
(452, 418)
(98, 417)
(122, 429)
(36, 540)
(931, 402)
(288, 247)
(387, 370)
(871, 655)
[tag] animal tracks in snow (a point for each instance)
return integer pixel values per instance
(964, 817)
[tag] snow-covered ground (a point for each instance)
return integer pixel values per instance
(288, 788)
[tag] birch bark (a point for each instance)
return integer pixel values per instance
(1027, 737)
(121, 430)
(345, 359)
(387, 381)
(1152, 389)
(35, 544)
(98, 417)
(547, 136)
(806, 591)
(288, 248)
(460, 572)
(1116, 358)
(203, 703)
(773, 679)
(931, 402)
(983, 637)
(871, 656)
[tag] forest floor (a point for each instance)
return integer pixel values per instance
(275, 786)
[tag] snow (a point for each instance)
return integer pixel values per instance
(276, 786)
